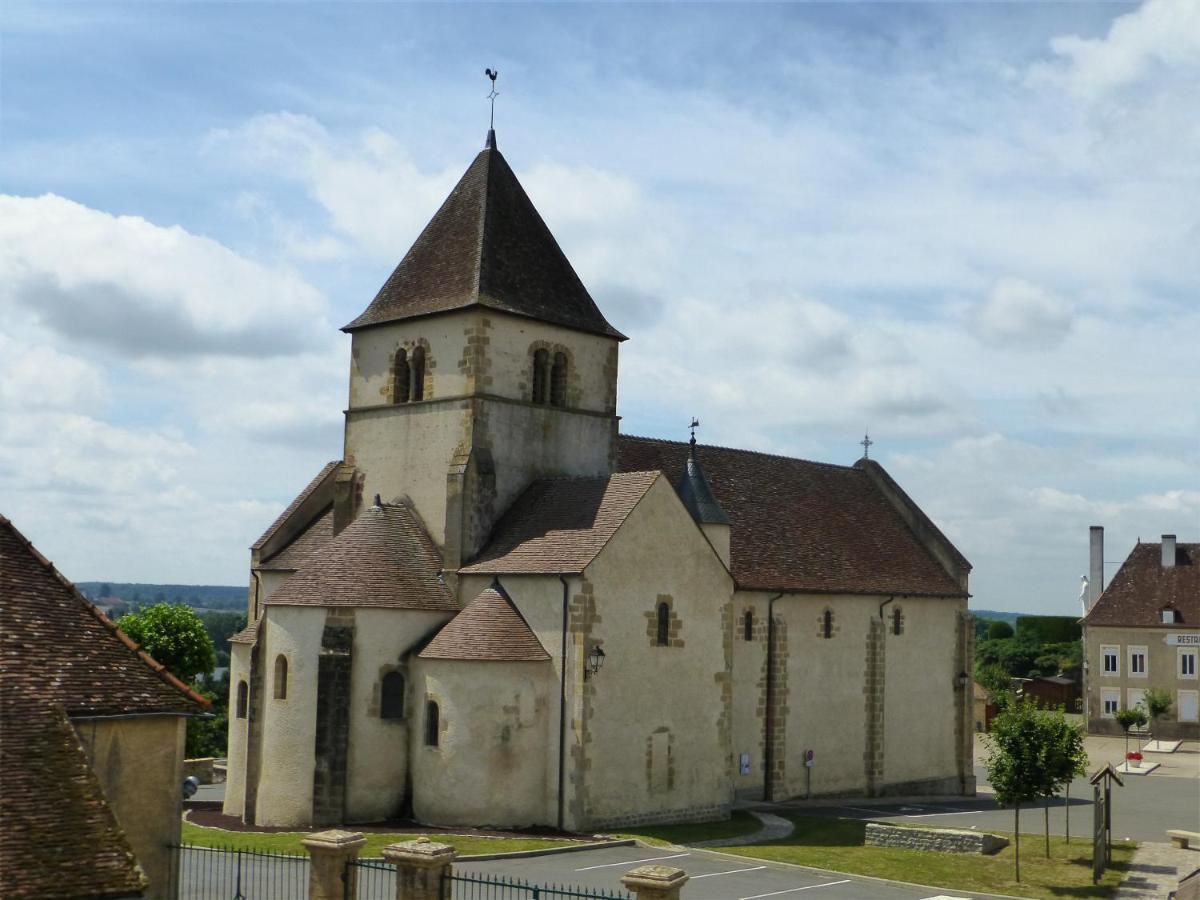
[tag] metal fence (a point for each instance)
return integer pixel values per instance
(227, 873)
(376, 879)
(466, 886)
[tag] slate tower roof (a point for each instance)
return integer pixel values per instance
(696, 492)
(487, 246)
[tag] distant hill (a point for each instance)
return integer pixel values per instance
(197, 596)
(995, 615)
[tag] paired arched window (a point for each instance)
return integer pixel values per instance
(243, 699)
(748, 625)
(558, 380)
(897, 621)
(400, 376)
(418, 373)
(281, 667)
(391, 696)
(663, 632)
(549, 378)
(541, 386)
(827, 624)
(432, 715)
(408, 375)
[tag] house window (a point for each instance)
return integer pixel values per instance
(418, 374)
(1187, 663)
(1112, 660)
(663, 633)
(897, 621)
(827, 624)
(432, 724)
(558, 380)
(748, 625)
(400, 377)
(541, 365)
(243, 699)
(1110, 701)
(1137, 662)
(1170, 616)
(391, 696)
(281, 677)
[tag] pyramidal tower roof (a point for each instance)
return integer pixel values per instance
(487, 246)
(695, 490)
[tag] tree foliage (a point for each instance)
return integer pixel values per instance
(1130, 718)
(1158, 704)
(175, 636)
(999, 630)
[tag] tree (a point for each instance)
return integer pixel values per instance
(1064, 760)
(173, 635)
(1158, 703)
(999, 630)
(1016, 760)
(1130, 718)
(997, 683)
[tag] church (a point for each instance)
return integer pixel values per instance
(496, 609)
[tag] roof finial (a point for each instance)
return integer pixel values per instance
(695, 424)
(866, 444)
(491, 138)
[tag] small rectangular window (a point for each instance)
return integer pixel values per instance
(1187, 663)
(1110, 700)
(1112, 665)
(1137, 661)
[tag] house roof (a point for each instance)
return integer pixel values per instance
(384, 558)
(559, 525)
(1141, 589)
(318, 533)
(325, 472)
(491, 628)
(487, 246)
(60, 838)
(247, 635)
(58, 648)
(801, 526)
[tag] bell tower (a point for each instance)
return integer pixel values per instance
(482, 364)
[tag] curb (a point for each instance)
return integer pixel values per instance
(548, 851)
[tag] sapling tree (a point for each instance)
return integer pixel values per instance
(1016, 761)
(1065, 759)
(1158, 704)
(1130, 718)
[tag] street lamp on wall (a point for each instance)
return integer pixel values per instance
(594, 662)
(962, 680)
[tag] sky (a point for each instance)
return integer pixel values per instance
(971, 228)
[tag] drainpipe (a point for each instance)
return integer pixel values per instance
(562, 711)
(883, 604)
(769, 719)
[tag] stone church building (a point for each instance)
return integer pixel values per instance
(497, 609)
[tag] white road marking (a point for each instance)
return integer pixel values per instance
(876, 812)
(944, 897)
(965, 812)
(794, 890)
(730, 872)
(632, 862)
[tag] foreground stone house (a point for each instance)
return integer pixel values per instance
(496, 609)
(91, 745)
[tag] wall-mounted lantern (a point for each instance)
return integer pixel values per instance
(594, 662)
(962, 680)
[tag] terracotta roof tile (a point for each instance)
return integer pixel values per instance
(59, 837)
(558, 525)
(318, 533)
(247, 635)
(383, 558)
(1142, 587)
(325, 472)
(487, 246)
(803, 526)
(490, 628)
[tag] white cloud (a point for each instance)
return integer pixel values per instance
(1021, 314)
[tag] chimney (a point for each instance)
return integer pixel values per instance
(1168, 552)
(1096, 567)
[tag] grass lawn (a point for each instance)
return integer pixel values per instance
(741, 824)
(837, 844)
(289, 841)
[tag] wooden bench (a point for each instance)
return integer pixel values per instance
(1182, 838)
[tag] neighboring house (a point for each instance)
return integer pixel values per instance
(91, 747)
(495, 609)
(1143, 631)
(1053, 691)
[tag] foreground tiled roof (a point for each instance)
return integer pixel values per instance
(383, 558)
(1142, 587)
(313, 538)
(59, 837)
(247, 635)
(326, 470)
(803, 526)
(558, 525)
(60, 649)
(490, 628)
(487, 246)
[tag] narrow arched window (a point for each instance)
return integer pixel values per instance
(391, 696)
(281, 677)
(541, 363)
(418, 374)
(558, 380)
(243, 699)
(400, 375)
(827, 624)
(662, 635)
(748, 625)
(431, 724)
(897, 621)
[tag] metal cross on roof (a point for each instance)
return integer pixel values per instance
(866, 444)
(492, 74)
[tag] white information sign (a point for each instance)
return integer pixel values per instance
(1190, 639)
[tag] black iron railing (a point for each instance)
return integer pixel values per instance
(231, 873)
(467, 886)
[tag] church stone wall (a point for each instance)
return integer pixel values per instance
(373, 350)
(235, 781)
(646, 755)
(495, 743)
(749, 693)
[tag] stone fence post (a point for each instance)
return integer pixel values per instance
(655, 882)
(329, 852)
(420, 865)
